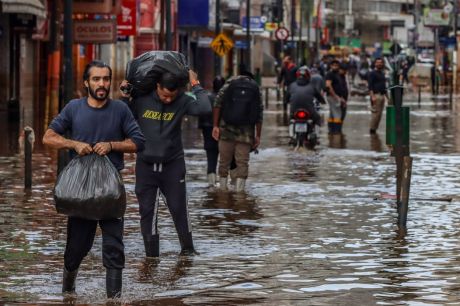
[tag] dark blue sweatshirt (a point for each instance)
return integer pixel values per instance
(112, 122)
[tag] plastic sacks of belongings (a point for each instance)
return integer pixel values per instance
(144, 71)
(90, 187)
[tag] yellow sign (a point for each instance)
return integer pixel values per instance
(271, 26)
(221, 44)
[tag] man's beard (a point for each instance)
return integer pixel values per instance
(94, 95)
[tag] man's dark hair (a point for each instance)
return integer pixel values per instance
(95, 63)
(378, 59)
(171, 82)
(334, 61)
(217, 84)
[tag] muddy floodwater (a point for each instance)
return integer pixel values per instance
(314, 228)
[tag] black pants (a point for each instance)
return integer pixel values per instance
(80, 238)
(212, 149)
(169, 179)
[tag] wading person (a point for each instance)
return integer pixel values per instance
(377, 91)
(335, 98)
(160, 168)
(96, 124)
(237, 120)
(286, 77)
(210, 144)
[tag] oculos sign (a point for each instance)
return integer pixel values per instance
(94, 31)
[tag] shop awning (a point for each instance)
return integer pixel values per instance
(33, 7)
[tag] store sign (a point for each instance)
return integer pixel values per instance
(127, 19)
(95, 31)
(256, 23)
(435, 17)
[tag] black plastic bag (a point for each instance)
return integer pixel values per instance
(90, 187)
(144, 71)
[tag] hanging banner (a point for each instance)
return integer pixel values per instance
(127, 19)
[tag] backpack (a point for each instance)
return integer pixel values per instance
(241, 102)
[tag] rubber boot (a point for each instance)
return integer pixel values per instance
(68, 281)
(240, 184)
(211, 179)
(113, 280)
(152, 245)
(186, 244)
(223, 183)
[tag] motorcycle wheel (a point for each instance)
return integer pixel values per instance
(312, 141)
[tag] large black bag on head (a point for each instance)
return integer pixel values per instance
(241, 102)
(90, 187)
(144, 71)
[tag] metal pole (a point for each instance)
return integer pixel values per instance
(292, 27)
(217, 63)
(299, 43)
(454, 63)
(403, 208)
(28, 157)
(168, 25)
(67, 94)
(248, 35)
(68, 79)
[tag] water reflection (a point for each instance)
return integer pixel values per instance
(310, 229)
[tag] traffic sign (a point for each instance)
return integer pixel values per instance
(282, 33)
(221, 44)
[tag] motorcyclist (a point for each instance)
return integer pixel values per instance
(303, 93)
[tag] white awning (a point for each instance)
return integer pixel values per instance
(33, 7)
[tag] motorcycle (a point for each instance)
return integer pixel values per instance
(302, 130)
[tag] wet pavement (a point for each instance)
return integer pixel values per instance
(315, 227)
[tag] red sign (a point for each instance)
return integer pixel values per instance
(127, 19)
(282, 33)
(102, 31)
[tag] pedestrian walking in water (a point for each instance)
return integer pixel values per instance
(237, 121)
(345, 89)
(286, 77)
(378, 92)
(160, 168)
(100, 125)
(211, 146)
(335, 97)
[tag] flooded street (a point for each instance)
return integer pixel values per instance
(315, 227)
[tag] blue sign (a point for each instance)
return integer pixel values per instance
(241, 44)
(256, 23)
(193, 13)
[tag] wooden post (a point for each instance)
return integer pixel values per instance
(403, 206)
(28, 145)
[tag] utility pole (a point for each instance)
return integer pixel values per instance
(299, 43)
(454, 63)
(217, 32)
(67, 73)
(292, 27)
(248, 35)
(280, 16)
(168, 25)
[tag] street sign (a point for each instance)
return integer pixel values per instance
(271, 26)
(256, 23)
(221, 44)
(282, 33)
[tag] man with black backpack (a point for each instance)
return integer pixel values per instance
(237, 125)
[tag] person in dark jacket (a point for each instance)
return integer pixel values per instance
(343, 68)
(160, 168)
(211, 146)
(96, 124)
(302, 94)
(378, 91)
(286, 77)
